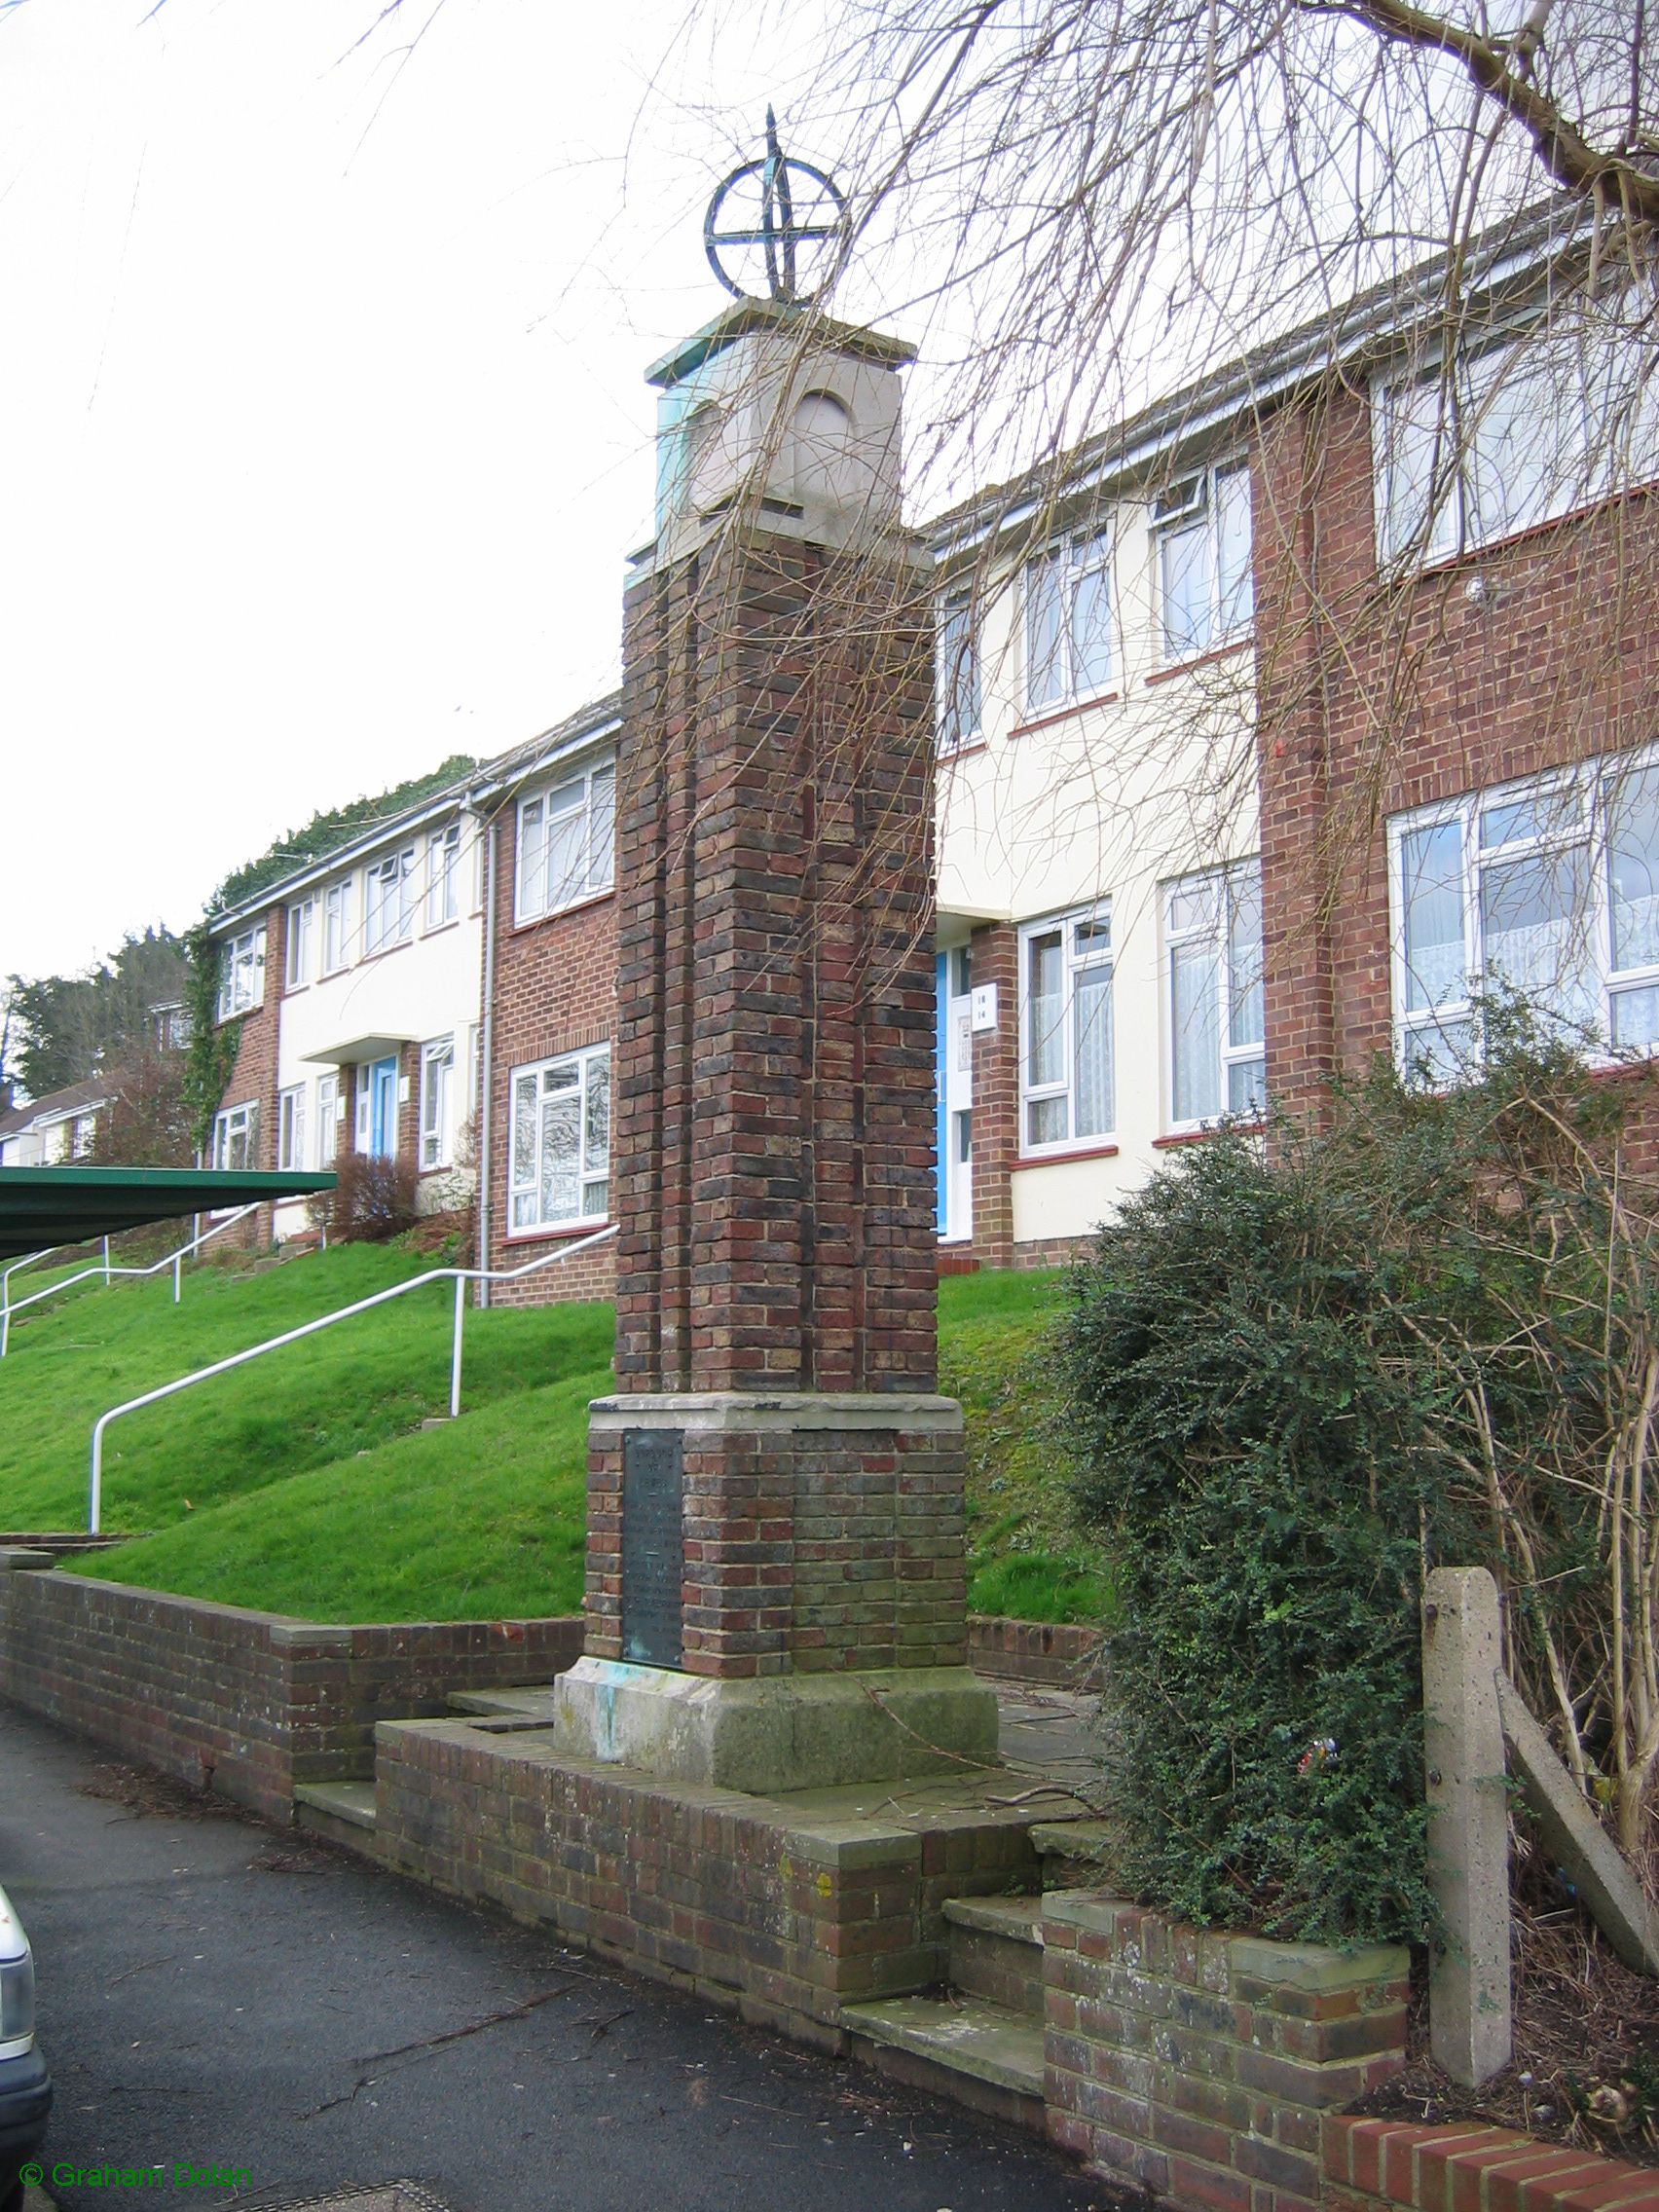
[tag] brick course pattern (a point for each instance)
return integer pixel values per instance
(728, 1895)
(248, 1704)
(1200, 2065)
(1371, 2165)
(773, 1134)
(1055, 1653)
(995, 957)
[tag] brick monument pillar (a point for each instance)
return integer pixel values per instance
(776, 1593)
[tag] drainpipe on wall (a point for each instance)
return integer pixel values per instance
(486, 1048)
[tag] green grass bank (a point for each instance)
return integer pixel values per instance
(305, 1483)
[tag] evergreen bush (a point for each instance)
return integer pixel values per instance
(1296, 1378)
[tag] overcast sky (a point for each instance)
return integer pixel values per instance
(326, 428)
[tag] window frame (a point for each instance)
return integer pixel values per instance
(587, 1172)
(241, 957)
(390, 900)
(438, 1053)
(1205, 504)
(337, 905)
(291, 1126)
(1173, 939)
(1477, 373)
(299, 939)
(1592, 786)
(443, 878)
(952, 733)
(1075, 961)
(247, 1112)
(1078, 556)
(597, 873)
(328, 1117)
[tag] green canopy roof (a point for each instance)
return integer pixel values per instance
(42, 1206)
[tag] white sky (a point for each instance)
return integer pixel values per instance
(326, 426)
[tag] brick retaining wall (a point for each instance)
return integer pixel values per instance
(1372, 2165)
(1201, 2065)
(60, 1545)
(1062, 1655)
(246, 1703)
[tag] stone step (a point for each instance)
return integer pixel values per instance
(983, 2056)
(342, 1812)
(532, 1704)
(996, 1951)
(1077, 1855)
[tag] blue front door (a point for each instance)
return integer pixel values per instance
(383, 1108)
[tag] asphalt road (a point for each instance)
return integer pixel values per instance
(218, 1992)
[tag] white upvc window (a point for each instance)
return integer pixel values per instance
(443, 876)
(1205, 591)
(389, 904)
(338, 905)
(1068, 622)
(1213, 995)
(1548, 889)
(437, 1103)
(956, 672)
(1485, 444)
(82, 1132)
(302, 927)
(241, 973)
(567, 841)
(1066, 1074)
(328, 1117)
(291, 1126)
(560, 1140)
(236, 1137)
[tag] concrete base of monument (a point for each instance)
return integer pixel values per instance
(777, 1732)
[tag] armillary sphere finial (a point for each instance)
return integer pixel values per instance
(791, 211)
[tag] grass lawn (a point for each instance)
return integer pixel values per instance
(1024, 1557)
(306, 1483)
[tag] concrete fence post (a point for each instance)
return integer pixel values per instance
(1468, 1825)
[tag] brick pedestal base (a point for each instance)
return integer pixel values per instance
(821, 1579)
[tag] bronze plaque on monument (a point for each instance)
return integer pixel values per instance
(654, 1545)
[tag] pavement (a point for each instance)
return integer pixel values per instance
(215, 1993)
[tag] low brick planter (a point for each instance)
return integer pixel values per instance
(1370, 2165)
(1051, 1654)
(246, 1703)
(1201, 2065)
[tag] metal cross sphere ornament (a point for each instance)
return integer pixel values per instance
(792, 213)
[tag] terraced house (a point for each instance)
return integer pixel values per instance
(1288, 719)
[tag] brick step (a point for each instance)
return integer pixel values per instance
(341, 1812)
(986, 2056)
(996, 1951)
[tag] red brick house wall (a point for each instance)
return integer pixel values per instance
(1377, 696)
(253, 1073)
(555, 992)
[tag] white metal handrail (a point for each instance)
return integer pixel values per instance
(173, 1260)
(460, 1277)
(29, 1259)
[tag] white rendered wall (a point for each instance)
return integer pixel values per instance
(1060, 807)
(428, 988)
